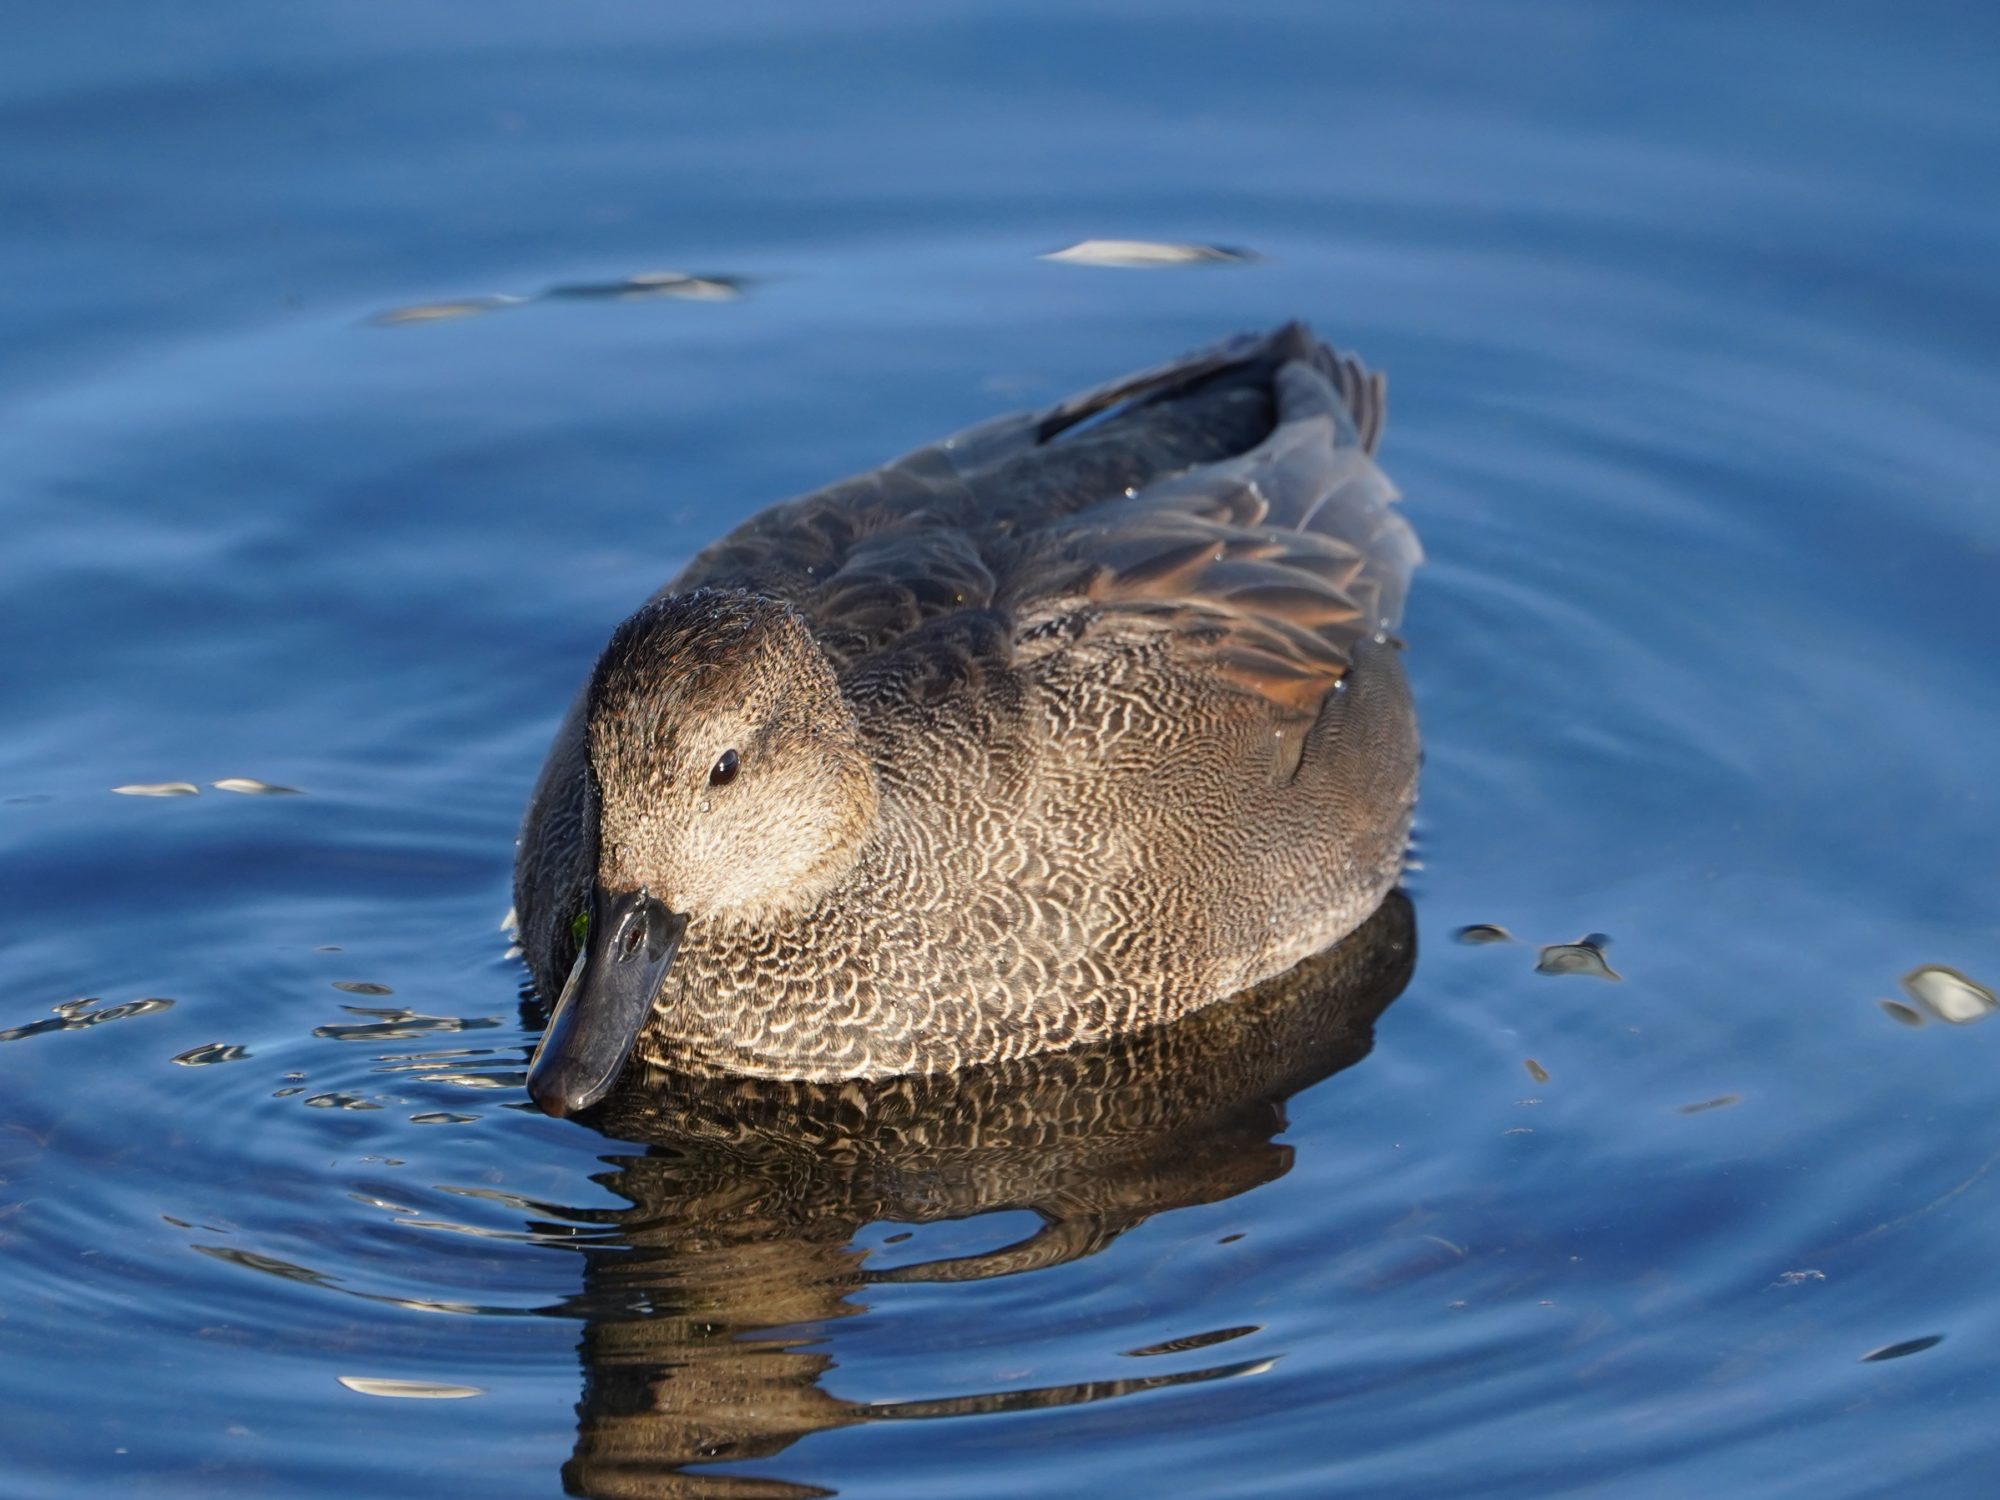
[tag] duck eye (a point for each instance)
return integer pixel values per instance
(724, 770)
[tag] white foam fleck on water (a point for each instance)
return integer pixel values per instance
(1147, 254)
(409, 1390)
(1949, 995)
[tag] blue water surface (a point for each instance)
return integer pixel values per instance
(1689, 315)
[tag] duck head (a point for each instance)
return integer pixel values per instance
(727, 783)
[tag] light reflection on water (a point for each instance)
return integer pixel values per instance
(1688, 326)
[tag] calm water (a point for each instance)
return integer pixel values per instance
(1690, 318)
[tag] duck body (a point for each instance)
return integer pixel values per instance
(1050, 731)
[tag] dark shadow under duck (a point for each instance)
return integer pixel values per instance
(1066, 725)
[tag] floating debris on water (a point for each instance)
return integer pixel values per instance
(443, 312)
(1895, 1010)
(1949, 995)
(409, 1390)
(1149, 254)
(250, 786)
(1535, 1070)
(211, 1053)
(657, 284)
(1720, 1101)
(361, 987)
(646, 286)
(1584, 956)
(1484, 932)
(75, 1015)
(158, 789)
(1907, 1347)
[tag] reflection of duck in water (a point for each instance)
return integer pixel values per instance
(1053, 730)
(746, 1204)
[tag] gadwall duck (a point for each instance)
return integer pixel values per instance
(1054, 729)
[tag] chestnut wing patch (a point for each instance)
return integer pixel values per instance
(1267, 569)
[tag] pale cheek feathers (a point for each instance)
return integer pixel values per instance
(748, 856)
(765, 863)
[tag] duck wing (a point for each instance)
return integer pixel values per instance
(1266, 568)
(1238, 477)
